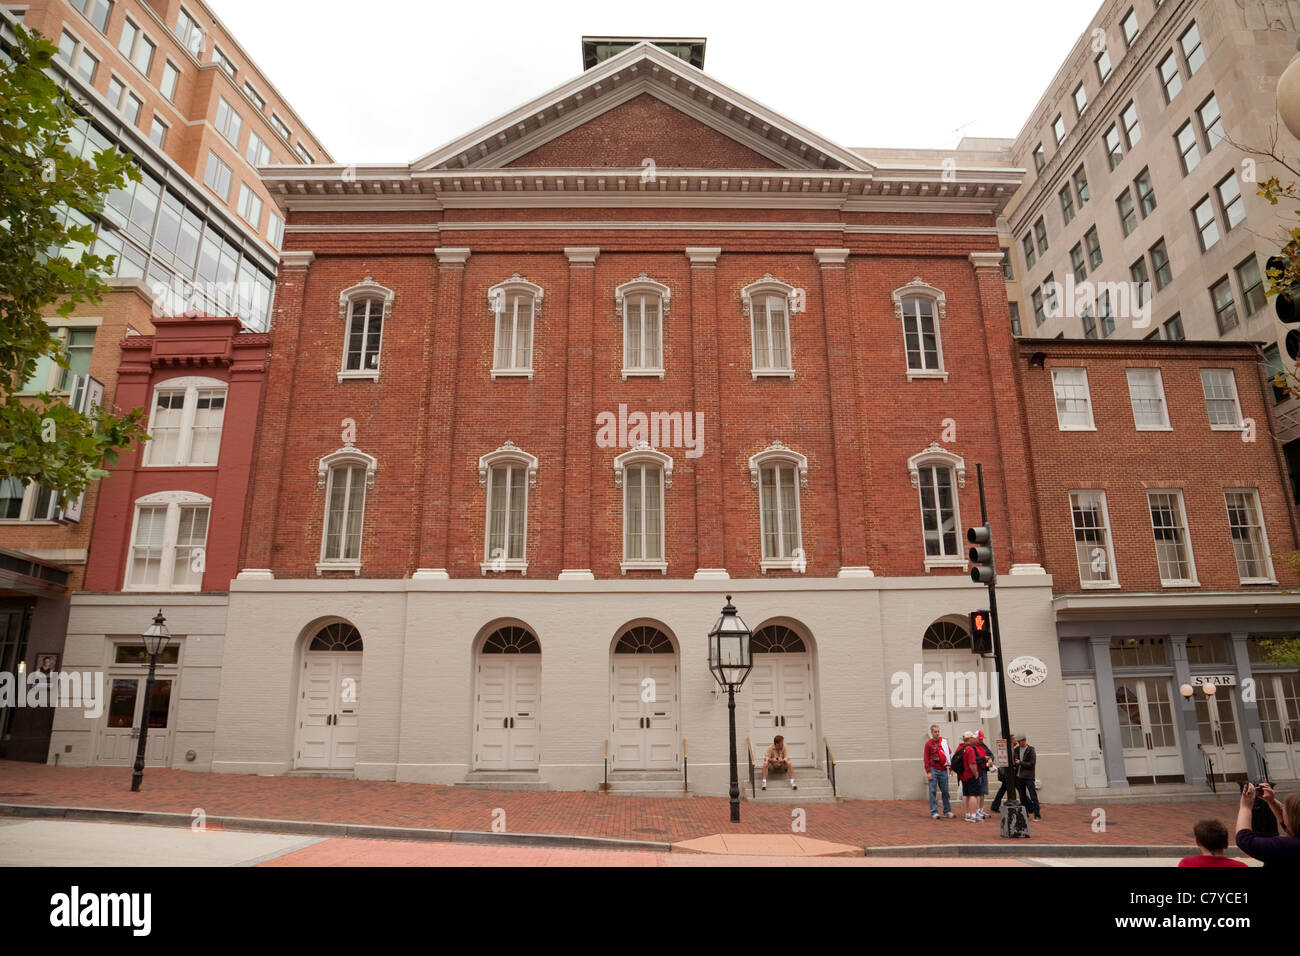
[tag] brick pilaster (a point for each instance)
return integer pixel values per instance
(710, 533)
(579, 418)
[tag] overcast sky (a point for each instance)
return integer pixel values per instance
(389, 80)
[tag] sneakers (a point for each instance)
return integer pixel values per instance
(765, 784)
(935, 815)
(970, 818)
(981, 814)
(949, 814)
(793, 785)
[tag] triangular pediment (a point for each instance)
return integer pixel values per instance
(643, 103)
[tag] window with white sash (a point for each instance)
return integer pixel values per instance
(1221, 406)
(364, 309)
(515, 305)
(186, 421)
(769, 304)
(1249, 540)
(1092, 543)
(507, 474)
(778, 473)
(1146, 392)
(643, 473)
(937, 473)
(169, 540)
(345, 475)
(1173, 548)
(1073, 400)
(644, 304)
(26, 501)
(921, 307)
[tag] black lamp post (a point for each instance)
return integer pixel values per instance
(155, 639)
(730, 660)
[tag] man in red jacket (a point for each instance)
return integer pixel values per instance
(936, 757)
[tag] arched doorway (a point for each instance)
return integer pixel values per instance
(329, 705)
(947, 652)
(507, 721)
(780, 689)
(644, 729)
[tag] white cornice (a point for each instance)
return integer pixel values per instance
(570, 225)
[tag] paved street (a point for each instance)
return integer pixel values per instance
(870, 824)
(63, 843)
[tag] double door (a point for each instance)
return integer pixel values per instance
(1279, 719)
(1147, 730)
(508, 723)
(780, 702)
(119, 729)
(1216, 720)
(329, 711)
(959, 712)
(644, 728)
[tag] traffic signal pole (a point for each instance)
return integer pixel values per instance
(1015, 821)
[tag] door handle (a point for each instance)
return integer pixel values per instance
(1099, 741)
(505, 723)
(1149, 747)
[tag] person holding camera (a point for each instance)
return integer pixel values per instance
(1284, 849)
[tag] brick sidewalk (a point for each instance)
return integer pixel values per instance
(867, 823)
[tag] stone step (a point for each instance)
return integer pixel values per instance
(324, 774)
(649, 793)
(503, 780)
(644, 775)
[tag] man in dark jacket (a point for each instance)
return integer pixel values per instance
(1027, 768)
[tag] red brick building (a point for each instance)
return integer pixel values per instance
(1166, 522)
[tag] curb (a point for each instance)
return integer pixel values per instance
(1019, 849)
(338, 830)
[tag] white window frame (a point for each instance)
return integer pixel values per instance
(30, 491)
(631, 295)
(223, 105)
(645, 456)
(1164, 426)
(756, 294)
(505, 295)
(221, 164)
(274, 229)
(191, 385)
(1103, 511)
(162, 81)
(257, 98)
(1190, 581)
(1062, 426)
(257, 148)
(156, 122)
(777, 454)
(247, 197)
(512, 456)
(192, 33)
(936, 456)
(1267, 554)
(1236, 399)
(226, 64)
(367, 288)
(349, 456)
(918, 288)
(174, 501)
(62, 330)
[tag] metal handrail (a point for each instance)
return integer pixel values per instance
(1263, 761)
(605, 785)
(830, 766)
(750, 747)
(1209, 763)
(686, 779)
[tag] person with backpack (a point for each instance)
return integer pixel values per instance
(985, 763)
(965, 763)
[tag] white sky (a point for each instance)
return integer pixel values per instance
(389, 80)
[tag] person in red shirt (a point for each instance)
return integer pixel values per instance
(1212, 840)
(936, 756)
(966, 765)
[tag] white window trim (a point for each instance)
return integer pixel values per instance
(173, 500)
(170, 99)
(1164, 401)
(498, 296)
(936, 454)
(29, 505)
(644, 454)
(61, 328)
(769, 285)
(642, 285)
(367, 288)
(777, 453)
(190, 384)
(347, 455)
(1110, 541)
(1092, 421)
(1187, 538)
(919, 288)
(1236, 397)
(507, 454)
(1263, 534)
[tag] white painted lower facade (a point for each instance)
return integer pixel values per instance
(430, 704)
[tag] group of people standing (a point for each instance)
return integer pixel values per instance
(971, 762)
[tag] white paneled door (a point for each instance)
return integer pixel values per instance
(1216, 719)
(1146, 729)
(507, 701)
(329, 711)
(1279, 720)
(780, 702)
(1083, 724)
(644, 730)
(119, 728)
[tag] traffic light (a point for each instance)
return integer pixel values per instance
(981, 556)
(981, 632)
(1288, 310)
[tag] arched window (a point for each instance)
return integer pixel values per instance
(185, 423)
(507, 473)
(946, 636)
(511, 640)
(644, 304)
(778, 473)
(345, 475)
(769, 303)
(515, 304)
(643, 473)
(776, 639)
(937, 474)
(644, 640)
(339, 637)
(921, 309)
(169, 539)
(364, 308)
